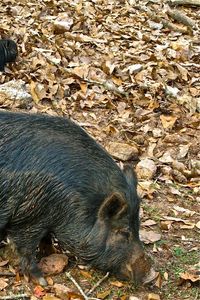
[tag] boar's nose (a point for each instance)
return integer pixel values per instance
(139, 268)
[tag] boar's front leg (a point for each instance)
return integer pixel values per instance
(27, 241)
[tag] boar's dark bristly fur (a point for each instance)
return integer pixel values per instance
(56, 180)
(8, 52)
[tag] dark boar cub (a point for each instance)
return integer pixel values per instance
(55, 180)
(8, 52)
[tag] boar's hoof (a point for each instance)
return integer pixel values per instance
(42, 281)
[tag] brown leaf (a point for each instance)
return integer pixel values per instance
(148, 222)
(54, 263)
(153, 296)
(149, 236)
(103, 295)
(198, 224)
(83, 86)
(192, 275)
(3, 284)
(117, 284)
(33, 92)
(39, 291)
(81, 72)
(165, 225)
(50, 297)
(168, 121)
(74, 296)
(85, 274)
(62, 23)
(158, 282)
(3, 263)
(62, 291)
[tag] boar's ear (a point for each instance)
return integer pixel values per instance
(130, 175)
(112, 207)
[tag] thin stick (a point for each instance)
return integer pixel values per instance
(78, 287)
(8, 274)
(11, 297)
(98, 284)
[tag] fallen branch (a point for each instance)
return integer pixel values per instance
(110, 86)
(173, 27)
(11, 297)
(79, 288)
(107, 85)
(165, 23)
(98, 284)
(180, 17)
(184, 2)
(7, 274)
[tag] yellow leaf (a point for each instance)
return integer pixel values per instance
(168, 121)
(103, 295)
(83, 86)
(33, 92)
(198, 224)
(85, 274)
(153, 296)
(116, 80)
(50, 297)
(117, 284)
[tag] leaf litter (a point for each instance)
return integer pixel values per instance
(131, 78)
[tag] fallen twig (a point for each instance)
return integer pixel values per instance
(180, 17)
(7, 274)
(184, 2)
(11, 297)
(78, 287)
(98, 284)
(165, 23)
(110, 86)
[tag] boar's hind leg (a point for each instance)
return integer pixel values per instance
(26, 243)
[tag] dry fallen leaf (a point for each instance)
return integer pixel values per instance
(50, 297)
(165, 225)
(85, 274)
(117, 284)
(149, 236)
(4, 263)
(61, 290)
(103, 295)
(148, 222)
(153, 296)
(3, 284)
(39, 291)
(192, 274)
(53, 264)
(159, 281)
(168, 121)
(198, 224)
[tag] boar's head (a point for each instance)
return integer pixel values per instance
(113, 244)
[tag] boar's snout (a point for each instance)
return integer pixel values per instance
(137, 269)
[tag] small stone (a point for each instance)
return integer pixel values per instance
(146, 169)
